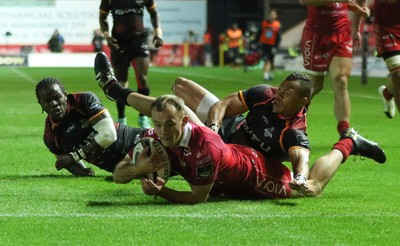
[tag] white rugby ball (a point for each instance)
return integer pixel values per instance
(155, 145)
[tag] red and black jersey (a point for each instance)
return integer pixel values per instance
(127, 17)
(328, 19)
(266, 131)
(75, 132)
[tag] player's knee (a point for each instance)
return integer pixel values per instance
(316, 188)
(340, 81)
(395, 78)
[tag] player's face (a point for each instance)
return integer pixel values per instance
(168, 125)
(288, 102)
(273, 15)
(53, 101)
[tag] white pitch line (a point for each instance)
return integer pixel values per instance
(232, 79)
(23, 75)
(203, 216)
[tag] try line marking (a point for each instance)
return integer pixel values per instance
(24, 75)
(193, 215)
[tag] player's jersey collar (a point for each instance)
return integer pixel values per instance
(187, 133)
(299, 115)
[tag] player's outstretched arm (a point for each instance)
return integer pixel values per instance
(198, 194)
(80, 170)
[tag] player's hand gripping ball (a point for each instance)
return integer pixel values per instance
(154, 145)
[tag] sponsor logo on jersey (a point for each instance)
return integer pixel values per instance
(138, 11)
(268, 132)
(255, 139)
(70, 129)
(94, 106)
(204, 160)
(204, 171)
(269, 186)
(307, 53)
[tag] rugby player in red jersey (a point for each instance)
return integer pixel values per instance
(327, 45)
(387, 30)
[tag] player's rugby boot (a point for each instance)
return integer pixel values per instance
(388, 105)
(364, 147)
(104, 72)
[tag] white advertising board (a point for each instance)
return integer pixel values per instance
(77, 19)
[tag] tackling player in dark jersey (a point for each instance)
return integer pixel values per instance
(129, 45)
(78, 127)
(275, 124)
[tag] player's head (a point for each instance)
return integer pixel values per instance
(235, 25)
(52, 97)
(273, 15)
(293, 94)
(169, 119)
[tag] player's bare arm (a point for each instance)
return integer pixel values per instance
(155, 22)
(104, 26)
(361, 11)
(300, 158)
(229, 106)
(198, 194)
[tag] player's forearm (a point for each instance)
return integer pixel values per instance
(300, 162)
(216, 114)
(124, 173)
(301, 168)
(104, 27)
(184, 197)
(356, 17)
(155, 22)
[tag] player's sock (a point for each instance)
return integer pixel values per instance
(345, 146)
(118, 92)
(386, 94)
(342, 126)
(121, 110)
(122, 121)
(266, 76)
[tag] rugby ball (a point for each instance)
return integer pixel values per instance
(155, 145)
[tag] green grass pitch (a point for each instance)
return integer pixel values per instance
(40, 206)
